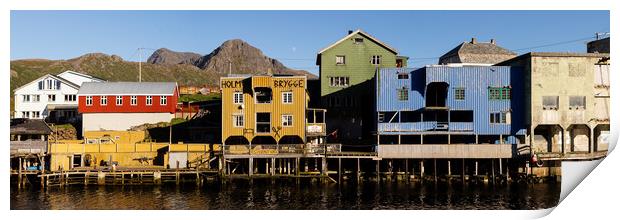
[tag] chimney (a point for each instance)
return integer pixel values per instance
(350, 31)
(492, 41)
(473, 40)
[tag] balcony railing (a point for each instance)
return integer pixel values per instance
(28, 147)
(282, 149)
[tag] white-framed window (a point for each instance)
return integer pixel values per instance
(26, 98)
(36, 114)
(89, 100)
(49, 83)
(149, 100)
(238, 120)
(577, 102)
(287, 97)
(36, 98)
(134, 100)
(163, 100)
(339, 81)
(375, 60)
(340, 59)
(51, 98)
(26, 114)
(287, 120)
(104, 100)
(69, 98)
(238, 98)
(119, 100)
(500, 118)
(41, 85)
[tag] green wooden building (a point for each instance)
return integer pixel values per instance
(347, 69)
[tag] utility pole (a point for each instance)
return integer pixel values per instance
(139, 64)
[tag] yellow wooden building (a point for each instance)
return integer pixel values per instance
(266, 110)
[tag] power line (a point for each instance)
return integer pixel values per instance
(554, 44)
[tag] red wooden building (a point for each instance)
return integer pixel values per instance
(121, 105)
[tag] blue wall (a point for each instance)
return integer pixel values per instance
(474, 79)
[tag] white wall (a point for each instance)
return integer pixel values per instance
(77, 78)
(40, 106)
(120, 121)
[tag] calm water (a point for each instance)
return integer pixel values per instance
(263, 194)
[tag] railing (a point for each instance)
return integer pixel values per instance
(311, 149)
(28, 147)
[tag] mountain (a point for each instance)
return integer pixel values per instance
(168, 57)
(185, 68)
(235, 56)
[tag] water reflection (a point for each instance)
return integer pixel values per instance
(265, 194)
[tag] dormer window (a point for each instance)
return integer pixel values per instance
(359, 40)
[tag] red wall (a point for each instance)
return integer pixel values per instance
(111, 107)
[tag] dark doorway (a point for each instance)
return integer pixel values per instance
(436, 94)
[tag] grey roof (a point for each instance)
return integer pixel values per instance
(29, 126)
(478, 52)
(127, 88)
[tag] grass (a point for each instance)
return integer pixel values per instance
(199, 97)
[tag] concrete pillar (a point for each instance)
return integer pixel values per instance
(422, 169)
(297, 166)
(407, 170)
(476, 169)
(449, 169)
(100, 178)
(157, 177)
(273, 166)
(250, 166)
(592, 139)
(324, 166)
(357, 173)
(378, 172)
(288, 167)
(435, 169)
(339, 170)
(501, 172)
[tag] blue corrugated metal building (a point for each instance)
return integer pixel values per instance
(446, 105)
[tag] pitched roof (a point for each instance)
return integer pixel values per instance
(467, 49)
(29, 126)
(127, 88)
(358, 31)
(82, 74)
(69, 83)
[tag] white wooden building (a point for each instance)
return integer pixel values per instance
(51, 97)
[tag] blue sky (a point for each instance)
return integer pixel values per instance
(294, 37)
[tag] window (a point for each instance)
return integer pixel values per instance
(459, 93)
(500, 93)
(36, 98)
(26, 98)
(104, 100)
(403, 76)
(577, 102)
(49, 83)
(149, 100)
(550, 103)
(339, 81)
(36, 114)
(287, 97)
(238, 120)
(163, 100)
(359, 40)
(238, 98)
(263, 122)
(26, 114)
(403, 94)
(119, 100)
(262, 95)
(375, 60)
(51, 98)
(89, 100)
(40, 85)
(287, 120)
(134, 100)
(500, 118)
(69, 98)
(340, 59)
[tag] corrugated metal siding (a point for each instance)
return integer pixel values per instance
(475, 80)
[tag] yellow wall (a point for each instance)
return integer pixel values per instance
(278, 84)
(119, 137)
(125, 154)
